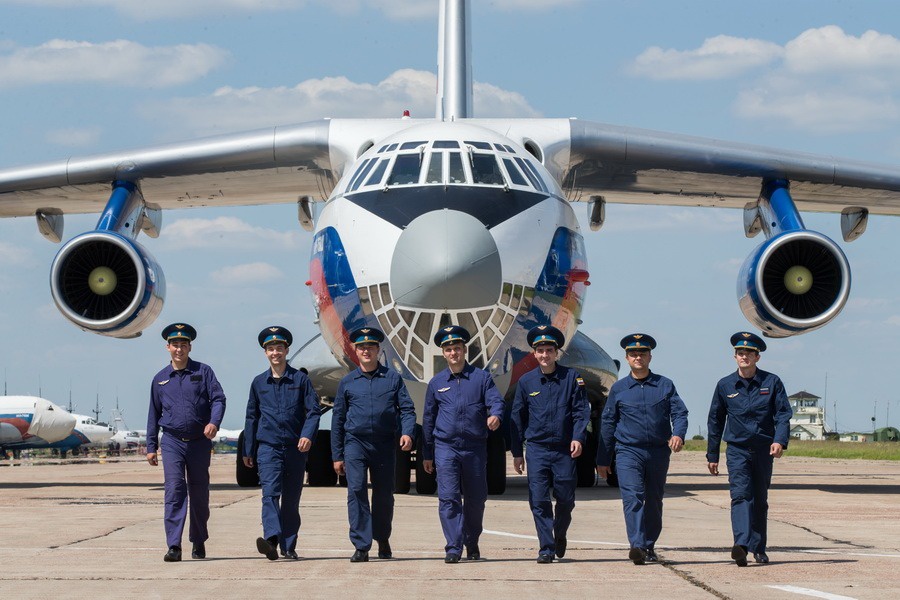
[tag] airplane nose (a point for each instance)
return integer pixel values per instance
(446, 259)
(50, 422)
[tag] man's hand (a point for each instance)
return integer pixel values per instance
(676, 443)
(575, 448)
(713, 468)
(519, 464)
(210, 431)
(248, 462)
(603, 471)
(428, 465)
(776, 450)
(405, 443)
(151, 458)
(304, 444)
(493, 423)
(339, 467)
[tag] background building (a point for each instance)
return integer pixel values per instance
(808, 421)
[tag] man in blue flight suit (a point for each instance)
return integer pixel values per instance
(461, 405)
(752, 408)
(187, 403)
(643, 422)
(550, 413)
(281, 424)
(371, 402)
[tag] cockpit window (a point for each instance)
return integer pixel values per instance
(485, 169)
(411, 145)
(406, 170)
(456, 174)
(392, 147)
(382, 149)
(435, 167)
(361, 174)
(445, 144)
(500, 147)
(531, 173)
(479, 145)
(378, 173)
(514, 174)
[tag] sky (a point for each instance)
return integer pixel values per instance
(90, 76)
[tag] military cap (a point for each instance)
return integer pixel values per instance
(638, 341)
(451, 334)
(366, 335)
(744, 340)
(546, 334)
(275, 333)
(179, 331)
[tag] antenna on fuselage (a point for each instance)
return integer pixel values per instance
(454, 80)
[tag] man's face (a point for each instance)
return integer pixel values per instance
(179, 350)
(638, 360)
(276, 352)
(746, 358)
(546, 355)
(455, 354)
(367, 354)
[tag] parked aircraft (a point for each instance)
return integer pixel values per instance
(474, 225)
(125, 437)
(29, 421)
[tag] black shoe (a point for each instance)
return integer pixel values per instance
(761, 557)
(651, 555)
(739, 554)
(291, 555)
(473, 553)
(199, 550)
(267, 547)
(637, 555)
(545, 559)
(560, 546)
(452, 558)
(173, 555)
(384, 549)
(360, 556)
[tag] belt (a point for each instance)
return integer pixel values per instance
(181, 437)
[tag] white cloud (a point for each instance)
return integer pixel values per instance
(120, 62)
(718, 57)
(225, 232)
(893, 320)
(74, 137)
(230, 109)
(828, 50)
(247, 274)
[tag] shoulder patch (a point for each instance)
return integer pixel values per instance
(579, 381)
(534, 393)
(162, 382)
(444, 389)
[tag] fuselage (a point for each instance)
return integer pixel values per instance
(32, 422)
(447, 223)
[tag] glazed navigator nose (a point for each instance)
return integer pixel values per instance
(446, 259)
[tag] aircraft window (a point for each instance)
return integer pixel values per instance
(507, 321)
(399, 341)
(405, 170)
(514, 173)
(417, 349)
(434, 168)
(526, 301)
(378, 173)
(486, 170)
(467, 321)
(361, 174)
(475, 354)
(376, 300)
(411, 145)
(509, 149)
(500, 147)
(492, 346)
(423, 326)
(417, 369)
(392, 147)
(407, 316)
(505, 294)
(540, 183)
(479, 145)
(528, 173)
(382, 149)
(393, 317)
(385, 294)
(484, 316)
(383, 320)
(517, 297)
(364, 300)
(445, 144)
(456, 174)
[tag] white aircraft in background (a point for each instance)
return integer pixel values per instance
(125, 437)
(32, 422)
(229, 437)
(455, 219)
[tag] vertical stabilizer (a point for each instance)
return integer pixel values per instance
(454, 84)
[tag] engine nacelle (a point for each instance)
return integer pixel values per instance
(107, 284)
(793, 283)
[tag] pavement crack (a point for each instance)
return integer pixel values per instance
(693, 580)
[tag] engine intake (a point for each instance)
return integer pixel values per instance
(793, 283)
(107, 284)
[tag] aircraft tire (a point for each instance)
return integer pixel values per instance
(426, 483)
(585, 467)
(496, 463)
(402, 467)
(244, 475)
(319, 465)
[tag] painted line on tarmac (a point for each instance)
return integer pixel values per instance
(838, 552)
(810, 592)
(571, 541)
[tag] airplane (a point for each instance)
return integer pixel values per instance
(29, 421)
(92, 434)
(125, 437)
(474, 225)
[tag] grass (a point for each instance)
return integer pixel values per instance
(826, 449)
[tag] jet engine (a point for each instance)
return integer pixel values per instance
(107, 284)
(793, 283)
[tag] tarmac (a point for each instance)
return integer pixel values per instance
(93, 529)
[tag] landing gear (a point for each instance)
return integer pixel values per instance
(244, 475)
(402, 469)
(426, 483)
(319, 465)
